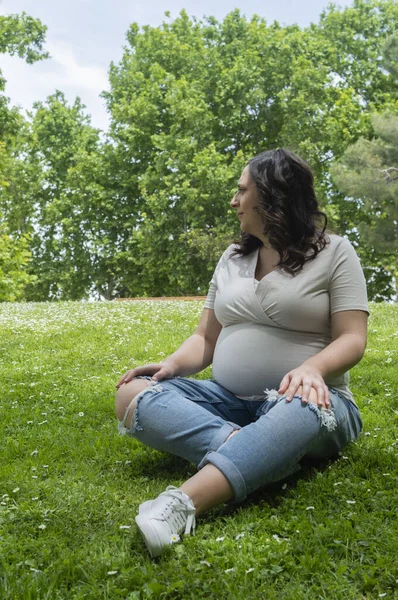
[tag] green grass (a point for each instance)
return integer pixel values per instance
(68, 482)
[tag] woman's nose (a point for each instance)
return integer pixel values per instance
(233, 202)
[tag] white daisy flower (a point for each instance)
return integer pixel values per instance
(174, 538)
(205, 562)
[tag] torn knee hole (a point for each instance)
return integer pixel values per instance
(130, 415)
(231, 434)
(326, 416)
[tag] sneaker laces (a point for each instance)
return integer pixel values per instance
(178, 507)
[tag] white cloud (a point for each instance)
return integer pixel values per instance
(70, 73)
(27, 84)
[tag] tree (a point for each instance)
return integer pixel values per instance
(145, 211)
(192, 100)
(14, 259)
(391, 55)
(60, 138)
(22, 35)
(368, 174)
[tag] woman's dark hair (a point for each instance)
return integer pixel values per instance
(289, 208)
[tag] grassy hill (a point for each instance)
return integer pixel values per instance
(70, 486)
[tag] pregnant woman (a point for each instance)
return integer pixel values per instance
(284, 320)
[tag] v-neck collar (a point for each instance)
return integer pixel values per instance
(274, 270)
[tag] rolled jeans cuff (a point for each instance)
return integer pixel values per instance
(230, 472)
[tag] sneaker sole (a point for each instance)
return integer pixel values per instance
(149, 535)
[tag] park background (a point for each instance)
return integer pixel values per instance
(141, 206)
(129, 196)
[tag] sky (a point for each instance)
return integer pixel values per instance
(85, 36)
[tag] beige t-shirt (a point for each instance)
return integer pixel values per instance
(272, 327)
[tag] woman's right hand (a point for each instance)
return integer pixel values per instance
(158, 371)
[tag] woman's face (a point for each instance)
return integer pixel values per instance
(244, 201)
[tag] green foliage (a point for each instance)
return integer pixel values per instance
(145, 211)
(368, 174)
(69, 481)
(391, 55)
(60, 140)
(23, 35)
(191, 101)
(14, 260)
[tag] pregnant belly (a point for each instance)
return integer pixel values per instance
(250, 358)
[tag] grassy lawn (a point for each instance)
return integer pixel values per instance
(70, 486)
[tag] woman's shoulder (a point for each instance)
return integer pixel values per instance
(335, 239)
(336, 250)
(338, 244)
(233, 256)
(230, 260)
(230, 252)
(340, 255)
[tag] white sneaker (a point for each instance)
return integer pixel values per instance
(162, 520)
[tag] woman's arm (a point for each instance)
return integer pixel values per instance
(194, 355)
(349, 334)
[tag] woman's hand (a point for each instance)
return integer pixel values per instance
(158, 371)
(307, 381)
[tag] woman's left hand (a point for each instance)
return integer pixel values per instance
(307, 381)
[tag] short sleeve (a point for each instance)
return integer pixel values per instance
(211, 294)
(347, 282)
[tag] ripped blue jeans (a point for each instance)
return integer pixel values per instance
(193, 419)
